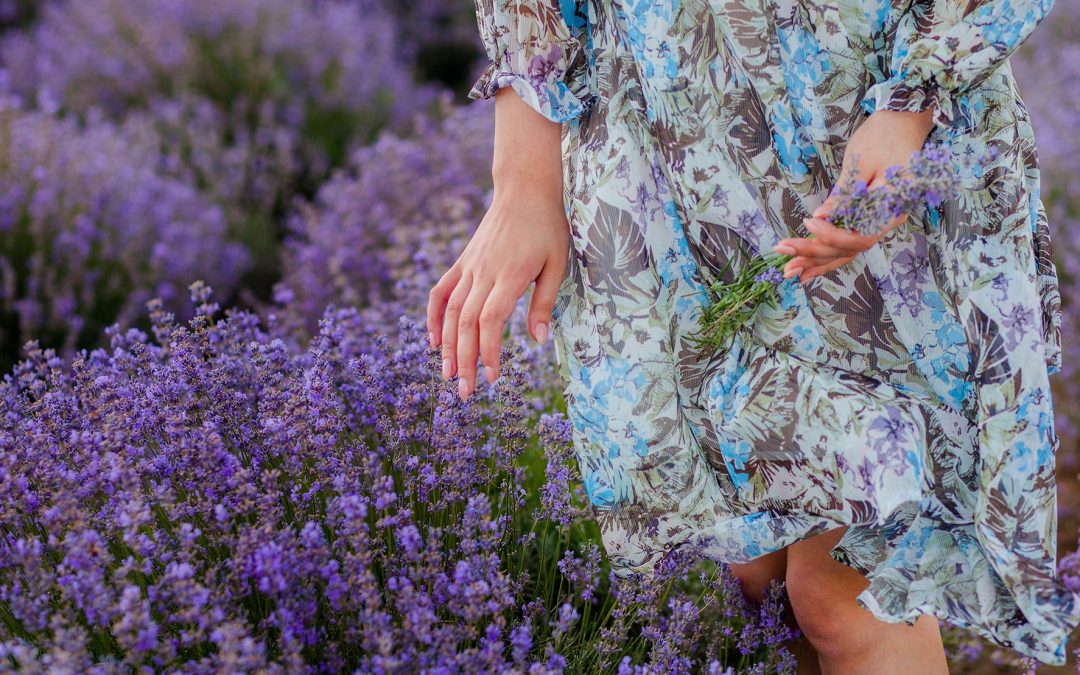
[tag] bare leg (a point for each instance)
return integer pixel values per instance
(755, 577)
(849, 640)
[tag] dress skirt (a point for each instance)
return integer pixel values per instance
(904, 395)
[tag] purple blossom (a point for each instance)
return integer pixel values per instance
(334, 55)
(583, 573)
(770, 276)
(928, 179)
(223, 498)
(401, 212)
(101, 231)
(253, 101)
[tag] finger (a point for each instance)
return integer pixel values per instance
(437, 297)
(497, 309)
(468, 335)
(450, 323)
(809, 248)
(826, 208)
(804, 263)
(795, 266)
(543, 298)
(838, 238)
(818, 270)
(798, 266)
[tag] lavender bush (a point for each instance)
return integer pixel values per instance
(90, 230)
(404, 209)
(432, 30)
(315, 62)
(254, 99)
(214, 500)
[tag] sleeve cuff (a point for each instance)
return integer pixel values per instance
(901, 94)
(539, 85)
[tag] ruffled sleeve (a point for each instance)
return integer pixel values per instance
(538, 47)
(943, 48)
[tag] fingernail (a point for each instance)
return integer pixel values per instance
(794, 271)
(431, 338)
(463, 388)
(446, 367)
(541, 332)
(784, 249)
(490, 374)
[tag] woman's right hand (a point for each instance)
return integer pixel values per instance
(523, 237)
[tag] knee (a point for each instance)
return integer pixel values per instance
(756, 576)
(823, 602)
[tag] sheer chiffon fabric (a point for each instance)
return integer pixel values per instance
(905, 395)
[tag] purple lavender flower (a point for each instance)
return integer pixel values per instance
(928, 179)
(222, 498)
(770, 276)
(400, 213)
(253, 100)
(330, 56)
(98, 231)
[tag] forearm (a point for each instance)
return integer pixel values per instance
(528, 148)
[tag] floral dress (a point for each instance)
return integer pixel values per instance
(905, 395)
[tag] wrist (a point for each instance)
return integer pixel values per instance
(526, 180)
(520, 175)
(917, 124)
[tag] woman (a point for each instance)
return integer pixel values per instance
(883, 438)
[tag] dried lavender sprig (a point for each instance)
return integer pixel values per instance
(929, 178)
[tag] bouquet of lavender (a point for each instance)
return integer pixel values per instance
(929, 178)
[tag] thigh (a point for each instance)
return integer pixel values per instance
(812, 573)
(817, 545)
(756, 575)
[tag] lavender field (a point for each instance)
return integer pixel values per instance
(225, 445)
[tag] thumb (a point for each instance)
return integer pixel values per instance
(543, 299)
(826, 208)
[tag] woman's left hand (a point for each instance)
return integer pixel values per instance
(887, 138)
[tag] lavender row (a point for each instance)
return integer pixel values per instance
(213, 500)
(248, 104)
(90, 230)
